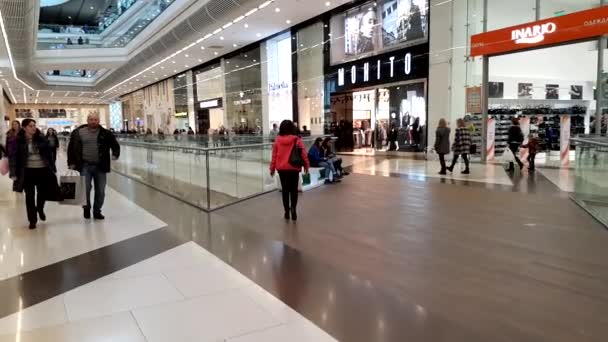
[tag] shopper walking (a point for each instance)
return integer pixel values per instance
(34, 170)
(89, 153)
(289, 174)
(393, 134)
(461, 146)
(11, 146)
(515, 139)
(442, 143)
(53, 139)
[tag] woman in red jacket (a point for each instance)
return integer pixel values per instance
(289, 174)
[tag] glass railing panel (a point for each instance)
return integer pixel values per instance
(250, 174)
(223, 176)
(591, 176)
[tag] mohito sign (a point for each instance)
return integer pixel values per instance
(571, 27)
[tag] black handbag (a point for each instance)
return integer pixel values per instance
(53, 192)
(295, 159)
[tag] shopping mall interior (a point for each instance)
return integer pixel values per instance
(150, 165)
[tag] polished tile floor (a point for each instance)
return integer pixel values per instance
(183, 294)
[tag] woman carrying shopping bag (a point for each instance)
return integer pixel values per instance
(462, 146)
(288, 158)
(34, 170)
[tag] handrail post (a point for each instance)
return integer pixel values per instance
(208, 179)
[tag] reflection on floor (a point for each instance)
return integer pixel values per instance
(184, 294)
(65, 234)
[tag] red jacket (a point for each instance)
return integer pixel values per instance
(281, 151)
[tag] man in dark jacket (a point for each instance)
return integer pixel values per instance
(89, 153)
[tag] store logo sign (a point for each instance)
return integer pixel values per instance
(405, 68)
(533, 34)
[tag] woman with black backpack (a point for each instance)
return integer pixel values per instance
(289, 166)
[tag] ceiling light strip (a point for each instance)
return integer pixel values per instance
(10, 55)
(207, 36)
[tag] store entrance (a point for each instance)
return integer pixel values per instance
(552, 93)
(389, 118)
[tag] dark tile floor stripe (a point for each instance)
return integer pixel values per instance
(47, 282)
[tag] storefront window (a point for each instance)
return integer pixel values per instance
(377, 27)
(310, 78)
(210, 97)
(244, 93)
(277, 71)
(180, 94)
(503, 14)
(552, 8)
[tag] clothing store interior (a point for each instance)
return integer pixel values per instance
(553, 100)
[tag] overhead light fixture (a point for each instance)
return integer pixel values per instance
(327, 4)
(265, 4)
(186, 55)
(227, 25)
(288, 21)
(238, 19)
(246, 26)
(259, 34)
(200, 60)
(235, 45)
(202, 48)
(217, 31)
(277, 10)
(216, 53)
(251, 12)
(222, 38)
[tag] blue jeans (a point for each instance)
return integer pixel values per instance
(92, 174)
(330, 170)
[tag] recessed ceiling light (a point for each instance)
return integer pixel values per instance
(69, 17)
(328, 4)
(259, 34)
(235, 45)
(288, 21)
(277, 10)
(246, 25)
(202, 48)
(222, 38)
(162, 67)
(173, 62)
(186, 56)
(174, 70)
(216, 53)
(200, 60)
(187, 66)
(92, 7)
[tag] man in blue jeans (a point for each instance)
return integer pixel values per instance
(89, 153)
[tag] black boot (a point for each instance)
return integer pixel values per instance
(41, 215)
(294, 215)
(86, 212)
(287, 214)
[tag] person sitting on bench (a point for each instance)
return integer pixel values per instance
(315, 155)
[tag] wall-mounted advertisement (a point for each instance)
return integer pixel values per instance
(279, 78)
(377, 27)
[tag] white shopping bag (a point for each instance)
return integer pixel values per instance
(73, 189)
(507, 157)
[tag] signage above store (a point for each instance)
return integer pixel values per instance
(396, 66)
(572, 27)
(211, 103)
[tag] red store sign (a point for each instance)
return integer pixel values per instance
(576, 26)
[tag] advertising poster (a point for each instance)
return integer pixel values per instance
(496, 90)
(576, 92)
(473, 100)
(403, 21)
(360, 31)
(552, 92)
(524, 91)
(491, 142)
(564, 140)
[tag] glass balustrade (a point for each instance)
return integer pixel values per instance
(591, 176)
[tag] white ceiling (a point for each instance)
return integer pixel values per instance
(276, 16)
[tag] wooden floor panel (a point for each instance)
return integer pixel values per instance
(521, 267)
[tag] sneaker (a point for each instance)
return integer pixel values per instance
(99, 216)
(86, 213)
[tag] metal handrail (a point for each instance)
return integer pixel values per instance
(590, 142)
